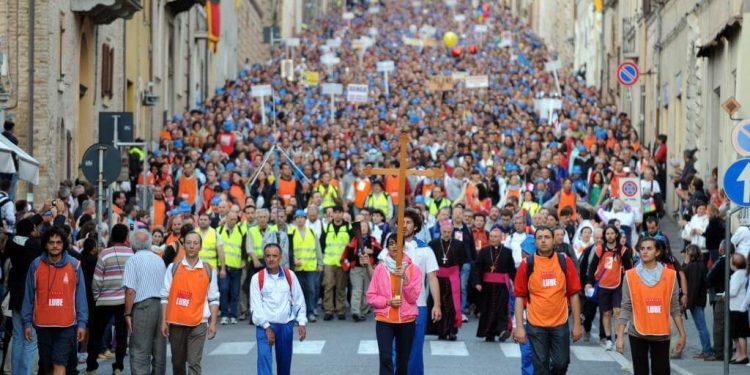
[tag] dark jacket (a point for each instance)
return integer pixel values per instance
(716, 276)
(21, 251)
(697, 284)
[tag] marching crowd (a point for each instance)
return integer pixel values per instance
(527, 230)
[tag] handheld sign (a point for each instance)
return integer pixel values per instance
(386, 67)
(477, 82)
(440, 83)
(628, 73)
(292, 42)
(737, 182)
(741, 138)
(356, 93)
(311, 78)
(348, 16)
(261, 91)
(332, 89)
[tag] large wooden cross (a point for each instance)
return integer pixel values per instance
(402, 172)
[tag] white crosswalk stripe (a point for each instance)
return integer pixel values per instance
(308, 347)
(591, 353)
(368, 347)
(234, 348)
(510, 350)
(449, 348)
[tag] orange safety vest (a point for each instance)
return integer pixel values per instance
(238, 193)
(208, 194)
(55, 300)
(612, 262)
(361, 192)
(472, 200)
(187, 295)
(172, 238)
(567, 199)
(614, 186)
(651, 305)
(548, 305)
(287, 189)
(160, 209)
(391, 187)
(188, 188)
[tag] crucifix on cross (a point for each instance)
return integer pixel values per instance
(402, 172)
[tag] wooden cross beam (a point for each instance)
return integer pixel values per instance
(402, 172)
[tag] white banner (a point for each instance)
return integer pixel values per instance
(477, 82)
(332, 88)
(260, 90)
(356, 93)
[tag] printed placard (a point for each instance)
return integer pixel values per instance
(356, 93)
(477, 82)
(440, 83)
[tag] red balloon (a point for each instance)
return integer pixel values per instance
(473, 49)
(456, 52)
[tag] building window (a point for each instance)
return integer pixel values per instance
(108, 70)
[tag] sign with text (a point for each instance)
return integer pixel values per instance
(260, 90)
(386, 66)
(630, 192)
(440, 83)
(311, 78)
(356, 93)
(332, 89)
(477, 82)
(287, 69)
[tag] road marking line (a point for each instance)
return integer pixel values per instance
(589, 353)
(447, 348)
(368, 347)
(234, 348)
(679, 369)
(308, 347)
(620, 359)
(511, 350)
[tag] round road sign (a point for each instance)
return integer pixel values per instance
(741, 138)
(629, 188)
(110, 168)
(628, 73)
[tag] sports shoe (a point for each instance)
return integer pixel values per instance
(82, 357)
(224, 320)
(586, 336)
(106, 355)
(464, 318)
(355, 317)
(233, 321)
(504, 335)
(312, 318)
(328, 317)
(608, 346)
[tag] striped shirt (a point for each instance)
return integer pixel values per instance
(144, 273)
(107, 284)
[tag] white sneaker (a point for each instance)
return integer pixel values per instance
(608, 346)
(224, 320)
(464, 318)
(233, 321)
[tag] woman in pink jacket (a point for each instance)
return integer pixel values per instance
(395, 318)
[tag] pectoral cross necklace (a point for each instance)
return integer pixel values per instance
(493, 259)
(445, 253)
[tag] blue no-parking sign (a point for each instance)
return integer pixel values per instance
(741, 138)
(628, 73)
(737, 182)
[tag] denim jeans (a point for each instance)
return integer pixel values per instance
(230, 293)
(24, 352)
(527, 363)
(699, 317)
(308, 280)
(465, 273)
(550, 347)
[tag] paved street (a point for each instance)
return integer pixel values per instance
(347, 347)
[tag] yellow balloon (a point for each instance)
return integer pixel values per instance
(450, 39)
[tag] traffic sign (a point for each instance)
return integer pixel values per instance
(628, 73)
(741, 138)
(737, 182)
(107, 127)
(110, 168)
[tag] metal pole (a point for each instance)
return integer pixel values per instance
(100, 198)
(333, 108)
(727, 271)
(387, 93)
(263, 111)
(557, 82)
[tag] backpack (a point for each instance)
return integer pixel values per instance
(287, 275)
(206, 267)
(561, 258)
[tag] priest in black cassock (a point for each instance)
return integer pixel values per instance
(493, 271)
(450, 255)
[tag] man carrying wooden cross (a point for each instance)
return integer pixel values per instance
(409, 223)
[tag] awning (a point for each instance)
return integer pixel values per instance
(6, 159)
(28, 167)
(731, 26)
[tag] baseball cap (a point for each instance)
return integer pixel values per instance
(300, 213)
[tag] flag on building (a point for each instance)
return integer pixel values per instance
(213, 16)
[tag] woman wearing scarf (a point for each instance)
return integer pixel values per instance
(649, 299)
(395, 317)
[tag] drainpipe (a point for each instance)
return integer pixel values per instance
(32, 22)
(124, 64)
(659, 48)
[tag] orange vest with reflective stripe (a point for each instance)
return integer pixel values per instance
(651, 305)
(55, 300)
(188, 188)
(361, 192)
(612, 262)
(391, 187)
(187, 296)
(548, 302)
(160, 209)
(287, 189)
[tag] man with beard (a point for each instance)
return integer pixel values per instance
(493, 270)
(450, 255)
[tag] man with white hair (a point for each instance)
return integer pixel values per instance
(143, 278)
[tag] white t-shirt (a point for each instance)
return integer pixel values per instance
(424, 258)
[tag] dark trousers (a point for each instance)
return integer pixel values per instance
(718, 328)
(589, 314)
(551, 349)
(99, 320)
(403, 334)
(308, 280)
(657, 351)
(230, 292)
